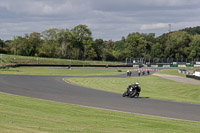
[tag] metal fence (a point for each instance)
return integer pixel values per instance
(164, 61)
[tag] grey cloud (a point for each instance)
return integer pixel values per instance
(108, 19)
(42, 7)
(141, 5)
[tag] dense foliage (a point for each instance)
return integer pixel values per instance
(78, 43)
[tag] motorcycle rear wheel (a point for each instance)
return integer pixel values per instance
(137, 95)
(133, 93)
(124, 94)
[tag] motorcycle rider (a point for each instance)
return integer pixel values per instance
(138, 86)
(129, 92)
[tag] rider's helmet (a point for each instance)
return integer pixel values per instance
(137, 83)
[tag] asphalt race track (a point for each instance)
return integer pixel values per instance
(55, 89)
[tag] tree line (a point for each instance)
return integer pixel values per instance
(79, 44)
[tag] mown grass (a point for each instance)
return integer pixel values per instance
(171, 72)
(175, 71)
(15, 59)
(152, 86)
(81, 71)
(27, 115)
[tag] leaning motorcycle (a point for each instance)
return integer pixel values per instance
(132, 91)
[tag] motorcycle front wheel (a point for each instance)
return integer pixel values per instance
(124, 94)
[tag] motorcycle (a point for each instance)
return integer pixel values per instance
(132, 91)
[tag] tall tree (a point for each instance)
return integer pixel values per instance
(50, 45)
(3, 47)
(192, 30)
(18, 46)
(65, 38)
(28, 45)
(82, 36)
(98, 46)
(136, 45)
(108, 50)
(195, 47)
(89, 51)
(177, 45)
(119, 52)
(2, 43)
(34, 43)
(157, 51)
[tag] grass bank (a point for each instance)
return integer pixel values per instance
(58, 71)
(171, 72)
(27, 115)
(14, 59)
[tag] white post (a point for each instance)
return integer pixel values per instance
(1, 58)
(126, 60)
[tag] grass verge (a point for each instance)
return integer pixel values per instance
(15, 59)
(171, 72)
(152, 86)
(81, 71)
(27, 115)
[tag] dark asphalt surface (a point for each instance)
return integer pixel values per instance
(55, 89)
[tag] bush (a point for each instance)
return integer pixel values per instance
(3, 50)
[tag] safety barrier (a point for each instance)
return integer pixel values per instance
(188, 74)
(172, 65)
(193, 76)
(149, 65)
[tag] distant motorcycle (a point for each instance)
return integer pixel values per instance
(133, 90)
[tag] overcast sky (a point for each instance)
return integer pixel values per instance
(107, 19)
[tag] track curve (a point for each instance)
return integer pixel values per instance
(55, 89)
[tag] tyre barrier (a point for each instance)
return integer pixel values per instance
(2, 67)
(193, 76)
(184, 71)
(7, 66)
(52, 65)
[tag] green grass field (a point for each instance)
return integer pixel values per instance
(15, 59)
(171, 72)
(152, 86)
(27, 115)
(75, 71)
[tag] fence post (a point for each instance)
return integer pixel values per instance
(1, 57)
